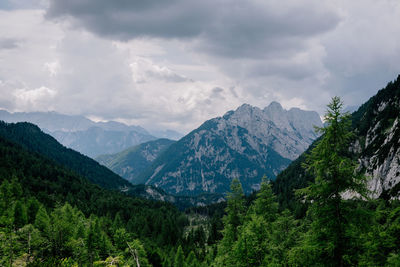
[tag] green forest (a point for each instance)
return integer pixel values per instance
(51, 215)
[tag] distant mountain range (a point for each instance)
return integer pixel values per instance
(86, 136)
(246, 143)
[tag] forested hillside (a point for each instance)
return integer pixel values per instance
(63, 213)
(30, 137)
(374, 145)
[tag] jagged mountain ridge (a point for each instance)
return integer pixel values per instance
(246, 143)
(86, 136)
(132, 161)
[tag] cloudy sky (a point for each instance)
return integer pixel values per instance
(176, 63)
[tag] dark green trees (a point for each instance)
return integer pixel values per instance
(327, 242)
(232, 220)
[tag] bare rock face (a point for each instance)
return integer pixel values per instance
(381, 156)
(246, 143)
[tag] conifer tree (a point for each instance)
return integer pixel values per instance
(179, 258)
(232, 221)
(334, 172)
(191, 260)
(254, 240)
(20, 217)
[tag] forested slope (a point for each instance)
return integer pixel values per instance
(33, 185)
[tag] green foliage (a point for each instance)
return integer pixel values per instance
(51, 184)
(369, 116)
(191, 260)
(335, 231)
(235, 212)
(137, 254)
(179, 258)
(31, 138)
(328, 238)
(38, 226)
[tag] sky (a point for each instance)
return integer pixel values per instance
(172, 64)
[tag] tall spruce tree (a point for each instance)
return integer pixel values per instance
(329, 236)
(233, 219)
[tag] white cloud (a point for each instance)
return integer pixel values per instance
(181, 77)
(35, 99)
(143, 70)
(52, 67)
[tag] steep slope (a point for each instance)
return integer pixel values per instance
(30, 137)
(376, 146)
(52, 185)
(247, 143)
(377, 126)
(132, 161)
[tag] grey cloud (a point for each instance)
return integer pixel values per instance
(226, 28)
(9, 43)
(217, 92)
(130, 19)
(167, 77)
(233, 91)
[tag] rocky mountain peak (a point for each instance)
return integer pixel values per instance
(246, 143)
(274, 106)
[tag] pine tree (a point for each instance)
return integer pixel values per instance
(191, 260)
(254, 240)
(20, 217)
(334, 172)
(266, 204)
(42, 221)
(179, 258)
(232, 221)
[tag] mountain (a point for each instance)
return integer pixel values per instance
(376, 146)
(49, 121)
(132, 161)
(97, 141)
(168, 134)
(84, 135)
(246, 143)
(377, 126)
(31, 139)
(53, 121)
(37, 168)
